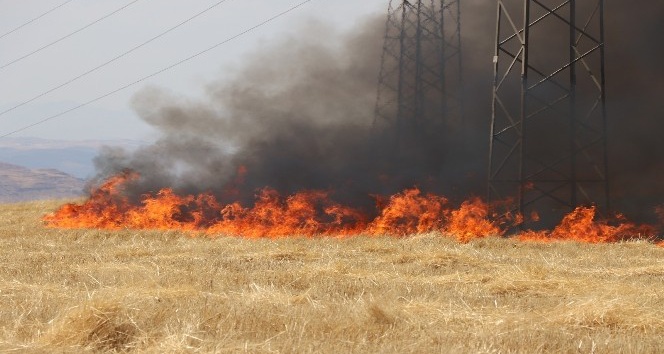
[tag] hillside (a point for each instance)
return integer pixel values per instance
(23, 184)
(72, 157)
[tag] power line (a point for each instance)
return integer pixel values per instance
(68, 35)
(35, 19)
(76, 78)
(178, 63)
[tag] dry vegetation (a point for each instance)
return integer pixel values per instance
(154, 292)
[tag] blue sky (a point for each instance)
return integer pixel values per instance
(112, 117)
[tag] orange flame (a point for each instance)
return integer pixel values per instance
(581, 226)
(471, 221)
(409, 212)
(313, 213)
(306, 213)
(101, 210)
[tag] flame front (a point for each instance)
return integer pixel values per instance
(314, 213)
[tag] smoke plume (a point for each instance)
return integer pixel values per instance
(299, 116)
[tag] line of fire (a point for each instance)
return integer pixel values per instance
(547, 176)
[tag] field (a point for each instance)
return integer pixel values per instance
(155, 292)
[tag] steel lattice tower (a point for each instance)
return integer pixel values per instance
(548, 129)
(419, 90)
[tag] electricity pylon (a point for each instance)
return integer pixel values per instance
(549, 123)
(420, 81)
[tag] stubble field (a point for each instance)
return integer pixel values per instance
(156, 292)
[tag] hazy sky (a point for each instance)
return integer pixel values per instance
(112, 117)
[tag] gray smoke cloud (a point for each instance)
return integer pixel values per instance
(299, 115)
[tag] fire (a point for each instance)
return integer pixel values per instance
(581, 225)
(315, 213)
(306, 213)
(409, 212)
(101, 210)
(471, 221)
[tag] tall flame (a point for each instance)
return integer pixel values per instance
(471, 221)
(409, 212)
(314, 213)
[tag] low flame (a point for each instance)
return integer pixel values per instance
(581, 225)
(314, 213)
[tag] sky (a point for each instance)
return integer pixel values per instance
(112, 117)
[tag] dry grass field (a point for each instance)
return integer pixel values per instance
(161, 292)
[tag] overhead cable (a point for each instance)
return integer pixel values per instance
(167, 68)
(68, 35)
(76, 78)
(34, 19)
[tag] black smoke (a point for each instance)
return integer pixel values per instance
(299, 115)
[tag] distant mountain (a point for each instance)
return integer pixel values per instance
(72, 157)
(23, 184)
